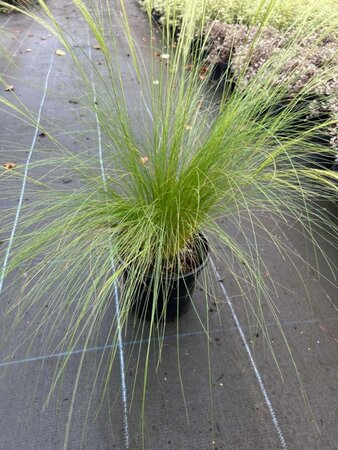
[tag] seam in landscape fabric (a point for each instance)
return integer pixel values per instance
(23, 187)
(116, 290)
(102, 348)
(252, 361)
(7, 22)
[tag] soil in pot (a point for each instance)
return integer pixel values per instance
(175, 288)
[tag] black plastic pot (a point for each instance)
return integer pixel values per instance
(173, 293)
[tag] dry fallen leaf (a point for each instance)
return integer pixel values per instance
(10, 165)
(9, 87)
(144, 159)
(204, 70)
(60, 53)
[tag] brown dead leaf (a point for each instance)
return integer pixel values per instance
(9, 165)
(9, 87)
(60, 53)
(204, 70)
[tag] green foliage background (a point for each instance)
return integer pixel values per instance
(283, 13)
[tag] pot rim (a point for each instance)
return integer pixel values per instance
(193, 272)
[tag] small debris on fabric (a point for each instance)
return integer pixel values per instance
(9, 165)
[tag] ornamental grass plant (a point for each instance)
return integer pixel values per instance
(194, 157)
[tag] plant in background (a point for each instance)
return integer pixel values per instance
(282, 13)
(233, 27)
(162, 181)
(234, 47)
(20, 3)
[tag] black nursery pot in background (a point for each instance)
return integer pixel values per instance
(174, 290)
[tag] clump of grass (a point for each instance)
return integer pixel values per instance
(195, 163)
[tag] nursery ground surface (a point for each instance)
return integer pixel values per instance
(253, 408)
